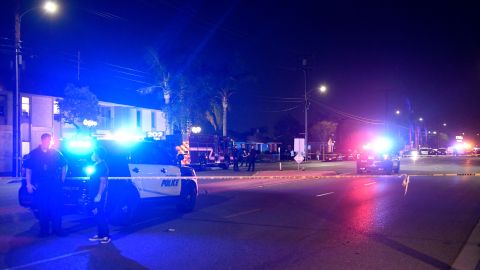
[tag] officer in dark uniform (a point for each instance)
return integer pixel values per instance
(98, 186)
(252, 157)
(45, 171)
(235, 155)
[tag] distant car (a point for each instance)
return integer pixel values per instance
(424, 151)
(369, 161)
(410, 153)
(441, 151)
(331, 157)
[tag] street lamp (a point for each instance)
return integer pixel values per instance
(420, 119)
(49, 7)
(196, 130)
(397, 112)
(444, 124)
(322, 89)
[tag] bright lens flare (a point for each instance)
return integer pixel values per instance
(50, 7)
(89, 170)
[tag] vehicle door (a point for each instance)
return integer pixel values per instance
(156, 180)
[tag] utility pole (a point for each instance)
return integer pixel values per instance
(304, 68)
(16, 96)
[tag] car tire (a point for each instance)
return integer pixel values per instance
(388, 170)
(397, 169)
(188, 198)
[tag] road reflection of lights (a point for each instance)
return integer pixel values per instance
(406, 181)
(368, 215)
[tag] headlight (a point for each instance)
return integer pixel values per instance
(89, 170)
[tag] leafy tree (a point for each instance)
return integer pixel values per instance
(323, 130)
(77, 105)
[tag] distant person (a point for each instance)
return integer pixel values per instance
(235, 154)
(45, 170)
(98, 187)
(180, 157)
(244, 156)
(252, 156)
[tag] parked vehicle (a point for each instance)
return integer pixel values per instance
(138, 171)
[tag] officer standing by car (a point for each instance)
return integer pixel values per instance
(45, 170)
(98, 194)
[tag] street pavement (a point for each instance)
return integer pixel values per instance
(330, 218)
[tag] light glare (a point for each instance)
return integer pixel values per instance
(50, 7)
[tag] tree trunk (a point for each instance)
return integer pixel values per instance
(224, 122)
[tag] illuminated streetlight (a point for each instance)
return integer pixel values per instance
(50, 7)
(397, 112)
(196, 130)
(322, 89)
(444, 124)
(420, 119)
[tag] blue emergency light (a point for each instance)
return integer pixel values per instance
(89, 170)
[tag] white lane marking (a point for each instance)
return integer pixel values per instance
(368, 184)
(470, 254)
(243, 213)
(49, 259)
(324, 194)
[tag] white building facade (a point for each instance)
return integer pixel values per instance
(40, 115)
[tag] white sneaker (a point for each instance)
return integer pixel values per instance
(105, 240)
(95, 238)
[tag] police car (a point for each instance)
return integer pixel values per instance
(139, 171)
(378, 156)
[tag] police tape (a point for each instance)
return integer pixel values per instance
(439, 156)
(257, 177)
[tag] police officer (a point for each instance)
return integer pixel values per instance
(45, 171)
(98, 185)
(252, 156)
(235, 155)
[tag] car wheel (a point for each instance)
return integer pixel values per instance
(397, 169)
(388, 170)
(188, 198)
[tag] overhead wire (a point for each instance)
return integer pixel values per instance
(351, 116)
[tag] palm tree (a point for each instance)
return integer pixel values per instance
(225, 95)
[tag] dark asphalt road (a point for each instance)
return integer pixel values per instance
(330, 223)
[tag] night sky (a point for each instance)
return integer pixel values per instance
(373, 57)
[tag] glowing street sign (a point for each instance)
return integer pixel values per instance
(90, 123)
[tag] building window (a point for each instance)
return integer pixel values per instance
(25, 107)
(139, 119)
(105, 119)
(56, 108)
(154, 120)
(3, 109)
